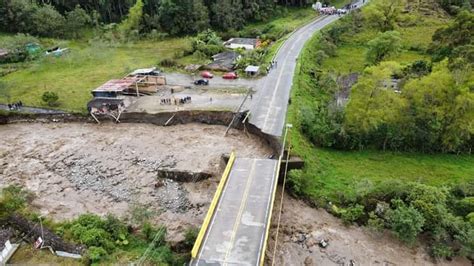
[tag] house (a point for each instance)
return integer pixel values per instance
(246, 43)
(251, 70)
(223, 61)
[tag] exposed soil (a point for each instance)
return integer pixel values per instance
(77, 168)
(302, 227)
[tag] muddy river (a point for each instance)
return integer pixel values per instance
(77, 168)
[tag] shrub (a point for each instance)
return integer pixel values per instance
(95, 254)
(441, 250)
(406, 222)
(13, 199)
(375, 223)
(470, 218)
(168, 63)
(352, 214)
(51, 98)
(465, 206)
(190, 236)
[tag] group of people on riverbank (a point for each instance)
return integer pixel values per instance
(15, 106)
(176, 101)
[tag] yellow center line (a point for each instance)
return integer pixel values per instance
(241, 210)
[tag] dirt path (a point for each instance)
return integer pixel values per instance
(302, 227)
(79, 168)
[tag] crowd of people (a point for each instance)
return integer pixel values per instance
(176, 101)
(273, 64)
(15, 106)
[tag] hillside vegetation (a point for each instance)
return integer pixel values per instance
(376, 101)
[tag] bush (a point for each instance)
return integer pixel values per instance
(51, 98)
(13, 199)
(352, 214)
(440, 250)
(167, 62)
(95, 254)
(190, 236)
(406, 222)
(465, 206)
(375, 223)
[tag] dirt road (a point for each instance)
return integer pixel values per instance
(79, 168)
(302, 227)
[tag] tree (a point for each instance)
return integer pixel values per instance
(374, 105)
(384, 14)
(459, 33)
(132, 22)
(50, 97)
(46, 21)
(384, 45)
(76, 20)
(183, 16)
(15, 15)
(405, 221)
(441, 110)
(227, 14)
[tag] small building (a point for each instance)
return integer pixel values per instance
(146, 72)
(223, 61)
(113, 88)
(252, 70)
(246, 43)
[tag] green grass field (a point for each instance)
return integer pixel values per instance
(330, 173)
(89, 65)
(415, 40)
(75, 74)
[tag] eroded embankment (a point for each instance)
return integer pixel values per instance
(223, 118)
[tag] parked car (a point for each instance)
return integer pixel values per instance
(230, 75)
(200, 82)
(207, 75)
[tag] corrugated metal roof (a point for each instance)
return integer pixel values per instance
(143, 71)
(252, 69)
(117, 85)
(246, 41)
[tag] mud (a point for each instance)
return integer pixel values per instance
(302, 227)
(76, 168)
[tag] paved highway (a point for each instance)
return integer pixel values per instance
(238, 228)
(269, 110)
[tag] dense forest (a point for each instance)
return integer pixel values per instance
(60, 18)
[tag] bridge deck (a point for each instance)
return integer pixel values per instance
(238, 228)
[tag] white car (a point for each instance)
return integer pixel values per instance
(342, 11)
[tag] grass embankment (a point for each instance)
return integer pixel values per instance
(330, 175)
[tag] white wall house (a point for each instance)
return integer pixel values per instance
(246, 43)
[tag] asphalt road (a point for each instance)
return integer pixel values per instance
(238, 228)
(269, 111)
